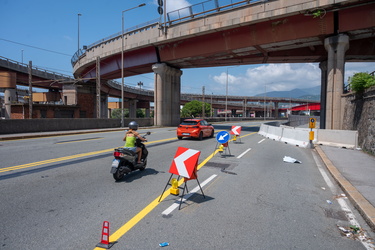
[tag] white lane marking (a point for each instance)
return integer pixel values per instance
(261, 141)
(187, 196)
(238, 157)
(344, 205)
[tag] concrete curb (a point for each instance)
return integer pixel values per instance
(364, 207)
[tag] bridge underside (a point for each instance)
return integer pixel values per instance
(292, 39)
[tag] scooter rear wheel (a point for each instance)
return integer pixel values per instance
(144, 165)
(120, 173)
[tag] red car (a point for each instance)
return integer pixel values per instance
(195, 128)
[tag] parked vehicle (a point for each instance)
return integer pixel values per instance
(195, 128)
(125, 160)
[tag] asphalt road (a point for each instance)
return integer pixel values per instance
(57, 191)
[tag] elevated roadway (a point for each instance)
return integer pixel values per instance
(246, 32)
(46, 79)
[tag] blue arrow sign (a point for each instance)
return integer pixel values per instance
(222, 137)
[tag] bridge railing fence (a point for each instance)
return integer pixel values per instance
(23, 67)
(177, 16)
(205, 8)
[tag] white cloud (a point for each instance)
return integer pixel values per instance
(66, 37)
(278, 77)
(175, 4)
(271, 77)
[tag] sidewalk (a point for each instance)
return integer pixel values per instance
(354, 171)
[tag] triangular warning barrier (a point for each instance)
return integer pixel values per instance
(104, 243)
(184, 164)
(236, 132)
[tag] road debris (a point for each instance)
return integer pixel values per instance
(290, 159)
(340, 196)
(329, 202)
(355, 233)
(164, 244)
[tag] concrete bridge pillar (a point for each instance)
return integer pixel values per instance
(103, 106)
(167, 95)
(8, 82)
(336, 47)
(276, 109)
(147, 113)
(133, 108)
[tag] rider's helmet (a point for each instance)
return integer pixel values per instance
(133, 125)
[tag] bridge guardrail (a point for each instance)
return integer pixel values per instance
(174, 17)
(22, 67)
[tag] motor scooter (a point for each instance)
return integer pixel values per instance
(126, 160)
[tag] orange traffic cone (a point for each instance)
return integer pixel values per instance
(104, 243)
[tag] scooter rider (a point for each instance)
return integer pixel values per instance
(130, 138)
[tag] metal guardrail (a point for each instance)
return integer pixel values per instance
(206, 8)
(24, 68)
(177, 16)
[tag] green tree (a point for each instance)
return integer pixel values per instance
(116, 113)
(361, 81)
(140, 113)
(194, 109)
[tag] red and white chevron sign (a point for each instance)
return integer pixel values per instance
(185, 162)
(236, 130)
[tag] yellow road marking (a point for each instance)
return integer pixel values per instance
(38, 163)
(64, 142)
(138, 217)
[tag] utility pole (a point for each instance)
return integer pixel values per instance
(30, 90)
(203, 108)
(98, 87)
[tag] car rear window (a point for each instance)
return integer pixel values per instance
(189, 123)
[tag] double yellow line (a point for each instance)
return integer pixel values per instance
(38, 163)
(138, 217)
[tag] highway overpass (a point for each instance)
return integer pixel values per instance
(329, 32)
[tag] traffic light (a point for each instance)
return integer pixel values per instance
(160, 7)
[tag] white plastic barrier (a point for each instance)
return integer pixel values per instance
(300, 136)
(296, 136)
(274, 133)
(263, 129)
(339, 138)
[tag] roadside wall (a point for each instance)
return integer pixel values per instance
(359, 114)
(14, 126)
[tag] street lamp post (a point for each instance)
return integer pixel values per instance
(122, 61)
(79, 14)
(264, 103)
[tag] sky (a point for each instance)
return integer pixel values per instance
(46, 33)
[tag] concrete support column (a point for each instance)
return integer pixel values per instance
(8, 83)
(276, 110)
(323, 94)
(147, 113)
(132, 108)
(9, 97)
(103, 106)
(167, 95)
(336, 47)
